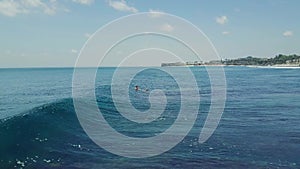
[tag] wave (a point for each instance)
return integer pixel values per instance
(50, 136)
(47, 136)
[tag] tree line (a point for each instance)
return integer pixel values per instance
(277, 60)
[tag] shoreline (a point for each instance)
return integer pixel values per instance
(274, 67)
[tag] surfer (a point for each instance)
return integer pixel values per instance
(136, 88)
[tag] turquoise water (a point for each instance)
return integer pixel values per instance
(259, 127)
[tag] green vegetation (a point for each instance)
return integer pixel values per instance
(287, 60)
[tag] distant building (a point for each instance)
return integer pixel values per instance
(214, 62)
(195, 63)
(173, 64)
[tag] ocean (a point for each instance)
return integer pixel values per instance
(259, 127)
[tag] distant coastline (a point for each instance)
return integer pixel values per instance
(279, 61)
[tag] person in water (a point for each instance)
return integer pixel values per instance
(136, 88)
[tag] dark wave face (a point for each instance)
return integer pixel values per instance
(45, 137)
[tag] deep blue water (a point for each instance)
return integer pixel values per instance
(260, 126)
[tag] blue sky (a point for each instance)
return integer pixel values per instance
(48, 33)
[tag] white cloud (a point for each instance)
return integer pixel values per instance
(122, 6)
(225, 33)
(12, 8)
(48, 8)
(32, 3)
(155, 13)
(74, 51)
(167, 27)
(84, 2)
(287, 33)
(87, 35)
(222, 20)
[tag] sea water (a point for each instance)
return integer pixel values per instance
(259, 128)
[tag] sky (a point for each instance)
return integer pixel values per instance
(51, 33)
